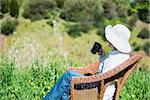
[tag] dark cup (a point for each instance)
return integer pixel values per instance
(96, 47)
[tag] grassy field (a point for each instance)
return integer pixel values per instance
(37, 54)
(35, 81)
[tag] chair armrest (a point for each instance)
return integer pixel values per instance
(92, 68)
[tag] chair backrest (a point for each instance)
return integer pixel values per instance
(93, 87)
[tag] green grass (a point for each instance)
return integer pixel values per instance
(36, 80)
(30, 83)
(35, 49)
(137, 86)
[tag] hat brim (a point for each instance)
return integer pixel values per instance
(116, 41)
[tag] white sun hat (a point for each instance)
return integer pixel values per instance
(119, 36)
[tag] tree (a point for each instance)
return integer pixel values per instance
(4, 6)
(141, 8)
(38, 9)
(8, 26)
(83, 12)
(14, 8)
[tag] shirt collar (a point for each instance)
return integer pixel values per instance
(113, 52)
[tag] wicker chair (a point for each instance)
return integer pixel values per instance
(93, 87)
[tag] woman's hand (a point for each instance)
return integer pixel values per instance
(101, 52)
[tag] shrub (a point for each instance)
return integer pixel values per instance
(74, 30)
(132, 8)
(14, 8)
(8, 26)
(136, 46)
(4, 6)
(60, 3)
(141, 7)
(144, 34)
(20, 2)
(1, 15)
(140, 46)
(51, 16)
(143, 10)
(115, 9)
(38, 9)
(144, 15)
(109, 9)
(146, 47)
(84, 12)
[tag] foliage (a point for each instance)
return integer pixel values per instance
(137, 86)
(142, 46)
(146, 47)
(84, 12)
(37, 80)
(38, 9)
(31, 83)
(20, 2)
(144, 34)
(104, 22)
(143, 10)
(51, 16)
(115, 9)
(74, 30)
(14, 8)
(8, 26)
(141, 7)
(137, 46)
(1, 15)
(4, 6)
(60, 3)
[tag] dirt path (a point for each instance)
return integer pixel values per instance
(3, 41)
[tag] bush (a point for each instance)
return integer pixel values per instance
(8, 26)
(4, 6)
(136, 46)
(38, 9)
(144, 34)
(116, 9)
(144, 15)
(146, 47)
(143, 10)
(141, 7)
(109, 9)
(60, 3)
(84, 12)
(14, 8)
(1, 15)
(74, 30)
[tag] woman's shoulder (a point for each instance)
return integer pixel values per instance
(119, 56)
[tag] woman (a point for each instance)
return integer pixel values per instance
(118, 36)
